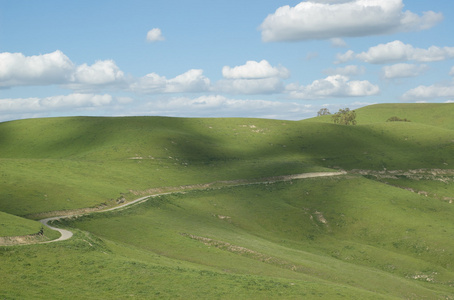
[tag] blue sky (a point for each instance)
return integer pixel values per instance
(205, 58)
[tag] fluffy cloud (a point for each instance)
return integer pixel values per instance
(97, 76)
(347, 56)
(333, 19)
(331, 1)
(403, 70)
(349, 70)
(252, 78)
(397, 51)
(73, 101)
(17, 69)
(191, 81)
(205, 106)
(155, 35)
(101, 72)
(431, 92)
(338, 42)
(255, 70)
(56, 68)
(250, 86)
(333, 86)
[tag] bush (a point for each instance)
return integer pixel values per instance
(397, 119)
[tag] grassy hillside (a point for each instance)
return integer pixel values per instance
(344, 237)
(89, 268)
(439, 115)
(11, 225)
(383, 231)
(347, 231)
(70, 163)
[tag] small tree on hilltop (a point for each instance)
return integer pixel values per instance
(323, 112)
(345, 116)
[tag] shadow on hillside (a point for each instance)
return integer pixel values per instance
(318, 144)
(228, 142)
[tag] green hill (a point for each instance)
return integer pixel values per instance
(439, 115)
(72, 163)
(382, 231)
(11, 225)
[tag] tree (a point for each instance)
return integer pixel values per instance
(345, 116)
(323, 112)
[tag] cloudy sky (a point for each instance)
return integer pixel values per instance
(205, 58)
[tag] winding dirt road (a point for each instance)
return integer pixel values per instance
(66, 234)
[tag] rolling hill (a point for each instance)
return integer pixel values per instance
(384, 230)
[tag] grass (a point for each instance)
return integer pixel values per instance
(351, 237)
(11, 225)
(431, 114)
(15, 230)
(261, 241)
(97, 274)
(72, 163)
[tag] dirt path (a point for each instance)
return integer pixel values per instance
(66, 234)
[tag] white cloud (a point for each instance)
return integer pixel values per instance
(397, 51)
(250, 86)
(252, 78)
(334, 19)
(155, 35)
(255, 70)
(343, 58)
(350, 70)
(403, 70)
(331, 1)
(190, 81)
(338, 42)
(333, 86)
(17, 69)
(150, 83)
(101, 72)
(411, 21)
(56, 69)
(431, 92)
(72, 101)
(220, 106)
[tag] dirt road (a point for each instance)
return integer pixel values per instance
(66, 234)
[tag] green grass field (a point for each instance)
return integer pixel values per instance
(382, 231)
(12, 225)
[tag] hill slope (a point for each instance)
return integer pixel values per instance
(383, 231)
(439, 115)
(71, 163)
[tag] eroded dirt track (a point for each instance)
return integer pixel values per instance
(66, 234)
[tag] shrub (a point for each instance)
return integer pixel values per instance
(397, 119)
